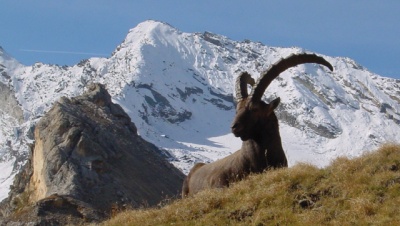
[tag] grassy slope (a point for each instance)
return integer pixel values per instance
(361, 191)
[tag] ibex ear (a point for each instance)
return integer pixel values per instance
(275, 103)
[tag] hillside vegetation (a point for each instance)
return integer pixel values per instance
(360, 191)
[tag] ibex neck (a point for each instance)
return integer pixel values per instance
(254, 153)
(275, 154)
(254, 147)
(269, 140)
(269, 136)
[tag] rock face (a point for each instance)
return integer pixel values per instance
(9, 104)
(86, 162)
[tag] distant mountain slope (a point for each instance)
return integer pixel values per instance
(178, 89)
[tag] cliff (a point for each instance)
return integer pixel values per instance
(87, 161)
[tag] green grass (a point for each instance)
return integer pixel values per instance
(360, 191)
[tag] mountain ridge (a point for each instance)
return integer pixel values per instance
(177, 88)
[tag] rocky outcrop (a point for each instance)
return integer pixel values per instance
(88, 161)
(9, 104)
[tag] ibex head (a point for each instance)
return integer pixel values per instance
(252, 113)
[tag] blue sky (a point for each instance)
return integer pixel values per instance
(66, 31)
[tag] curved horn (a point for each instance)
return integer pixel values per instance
(241, 85)
(274, 70)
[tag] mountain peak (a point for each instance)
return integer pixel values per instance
(148, 30)
(152, 24)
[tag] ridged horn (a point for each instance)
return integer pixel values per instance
(274, 70)
(241, 85)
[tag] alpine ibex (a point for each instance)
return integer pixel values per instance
(257, 125)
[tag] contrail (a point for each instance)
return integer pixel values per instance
(63, 52)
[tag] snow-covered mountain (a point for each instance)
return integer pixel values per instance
(178, 89)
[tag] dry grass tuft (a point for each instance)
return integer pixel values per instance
(361, 191)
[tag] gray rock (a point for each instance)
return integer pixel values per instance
(88, 161)
(9, 104)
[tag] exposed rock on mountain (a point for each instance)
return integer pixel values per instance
(88, 160)
(9, 104)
